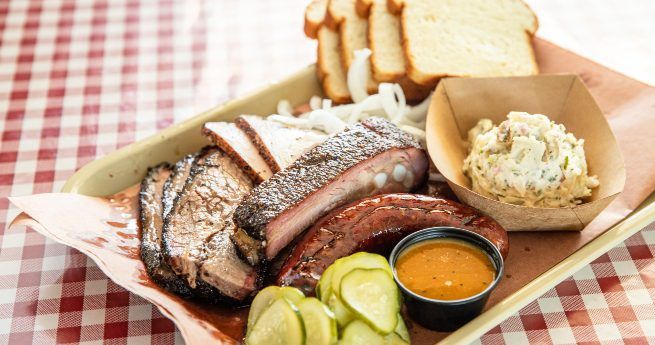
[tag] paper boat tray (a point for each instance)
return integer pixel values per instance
(530, 272)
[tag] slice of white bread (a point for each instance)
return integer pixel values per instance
(342, 16)
(384, 40)
(387, 56)
(314, 15)
(329, 67)
(475, 38)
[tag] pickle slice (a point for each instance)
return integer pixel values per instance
(267, 297)
(357, 260)
(373, 296)
(279, 324)
(320, 323)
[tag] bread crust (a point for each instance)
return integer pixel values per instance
(331, 18)
(379, 73)
(395, 6)
(324, 73)
(312, 23)
(428, 80)
(363, 7)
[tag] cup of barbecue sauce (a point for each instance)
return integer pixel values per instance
(446, 275)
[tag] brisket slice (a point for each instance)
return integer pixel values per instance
(197, 230)
(234, 141)
(369, 158)
(151, 209)
(278, 144)
(176, 181)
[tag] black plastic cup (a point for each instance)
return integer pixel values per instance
(446, 315)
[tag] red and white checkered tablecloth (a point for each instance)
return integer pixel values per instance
(79, 79)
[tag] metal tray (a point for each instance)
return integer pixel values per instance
(126, 167)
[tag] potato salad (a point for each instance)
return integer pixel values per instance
(528, 160)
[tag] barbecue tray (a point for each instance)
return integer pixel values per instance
(127, 166)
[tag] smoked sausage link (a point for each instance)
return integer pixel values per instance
(376, 224)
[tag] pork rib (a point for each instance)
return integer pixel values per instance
(368, 158)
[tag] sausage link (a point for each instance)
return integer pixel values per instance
(376, 224)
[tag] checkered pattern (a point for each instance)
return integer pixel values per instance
(609, 301)
(79, 79)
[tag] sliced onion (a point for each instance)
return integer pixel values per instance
(284, 108)
(290, 121)
(315, 102)
(371, 102)
(327, 121)
(418, 133)
(343, 111)
(327, 104)
(419, 111)
(387, 98)
(407, 122)
(402, 102)
(358, 75)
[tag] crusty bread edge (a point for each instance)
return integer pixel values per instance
(395, 6)
(420, 79)
(378, 75)
(363, 8)
(331, 20)
(324, 77)
(311, 27)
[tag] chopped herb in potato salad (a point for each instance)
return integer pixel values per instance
(528, 160)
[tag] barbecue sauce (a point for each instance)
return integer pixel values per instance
(445, 269)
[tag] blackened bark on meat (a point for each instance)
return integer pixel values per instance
(151, 223)
(197, 230)
(324, 173)
(176, 181)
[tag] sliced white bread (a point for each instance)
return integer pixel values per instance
(353, 30)
(314, 15)
(387, 56)
(278, 144)
(329, 68)
(234, 141)
(466, 38)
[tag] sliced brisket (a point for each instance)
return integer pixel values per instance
(368, 158)
(234, 141)
(278, 144)
(197, 231)
(176, 181)
(151, 210)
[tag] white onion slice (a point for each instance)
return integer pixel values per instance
(290, 121)
(358, 75)
(402, 102)
(327, 104)
(389, 102)
(418, 133)
(371, 102)
(327, 121)
(387, 98)
(284, 108)
(315, 102)
(419, 111)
